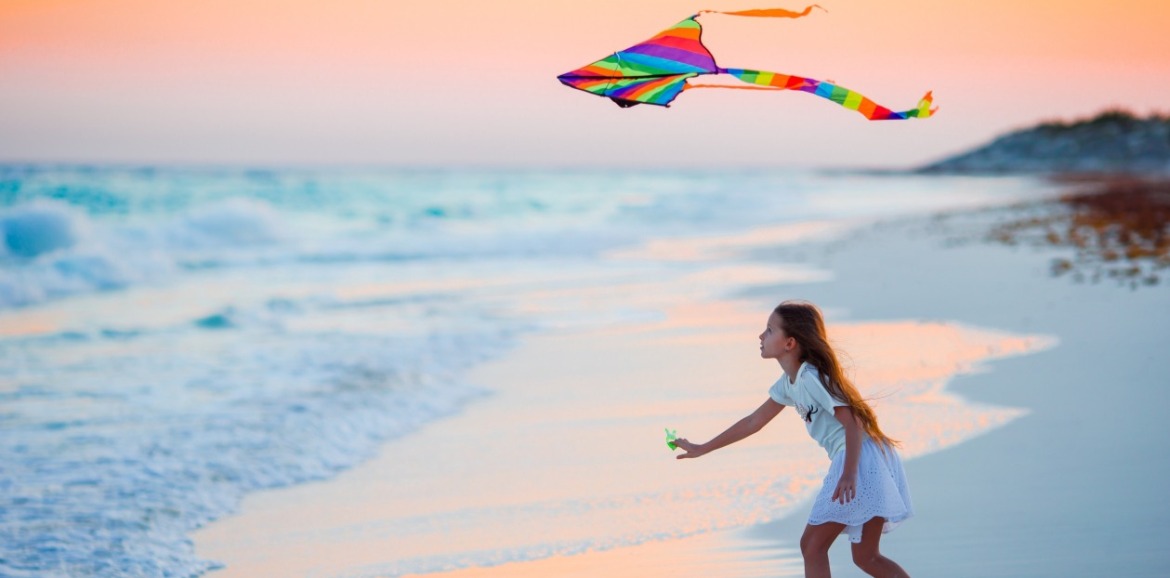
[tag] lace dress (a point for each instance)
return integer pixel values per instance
(881, 491)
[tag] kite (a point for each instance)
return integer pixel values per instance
(656, 72)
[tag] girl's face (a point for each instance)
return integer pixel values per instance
(774, 343)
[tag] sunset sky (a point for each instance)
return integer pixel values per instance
(472, 83)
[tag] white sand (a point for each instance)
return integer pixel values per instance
(567, 449)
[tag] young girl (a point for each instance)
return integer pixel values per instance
(864, 493)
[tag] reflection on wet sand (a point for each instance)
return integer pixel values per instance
(562, 470)
(1118, 227)
(579, 483)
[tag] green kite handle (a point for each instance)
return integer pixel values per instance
(670, 437)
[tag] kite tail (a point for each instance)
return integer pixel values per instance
(849, 99)
(765, 12)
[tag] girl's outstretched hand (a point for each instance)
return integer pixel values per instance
(692, 450)
(846, 490)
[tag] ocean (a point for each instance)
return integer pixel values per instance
(173, 339)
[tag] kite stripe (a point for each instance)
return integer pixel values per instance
(850, 99)
(698, 61)
(646, 63)
(688, 44)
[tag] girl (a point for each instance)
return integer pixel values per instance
(864, 493)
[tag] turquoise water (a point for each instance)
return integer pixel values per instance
(172, 339)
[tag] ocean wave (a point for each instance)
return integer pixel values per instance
(37, 228)
(232, 223)
(53, 250)
(108, 479)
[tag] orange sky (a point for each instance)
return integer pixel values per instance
(473, 82)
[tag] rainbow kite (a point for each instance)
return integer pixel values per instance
(656, 72)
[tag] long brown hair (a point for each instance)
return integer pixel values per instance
(803, 322)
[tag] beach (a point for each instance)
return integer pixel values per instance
(425, 289)
(477, 385)
(1032, 436)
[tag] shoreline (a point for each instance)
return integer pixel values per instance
(1049, 494)
(846, 259)
(347, 527)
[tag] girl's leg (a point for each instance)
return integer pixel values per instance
(869, 559)
(814, 546)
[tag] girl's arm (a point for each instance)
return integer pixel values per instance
(847, 485)
(742, 429)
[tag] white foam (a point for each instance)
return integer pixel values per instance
(196, 419)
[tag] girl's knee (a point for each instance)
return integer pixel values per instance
(805, 544)
(812, 544)
(866, 560)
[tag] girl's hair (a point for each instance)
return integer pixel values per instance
(802, 321)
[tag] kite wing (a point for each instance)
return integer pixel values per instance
(652, 72)
(656, 72)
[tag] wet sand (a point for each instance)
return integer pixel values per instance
(1030, 405)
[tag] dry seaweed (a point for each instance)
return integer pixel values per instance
(1118, 227)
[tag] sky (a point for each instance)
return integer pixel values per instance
(473, 82)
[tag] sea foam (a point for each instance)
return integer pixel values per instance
(107, 478)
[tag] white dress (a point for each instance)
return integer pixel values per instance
(881, 481)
